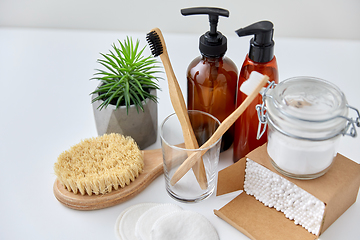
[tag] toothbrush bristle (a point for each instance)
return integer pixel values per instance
(251, 83)
(155, 43)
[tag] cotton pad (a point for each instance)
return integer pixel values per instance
(126, 222)
(183, 225)
(146, 221)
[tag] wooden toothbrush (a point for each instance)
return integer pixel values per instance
(254, 84)
(158, 48)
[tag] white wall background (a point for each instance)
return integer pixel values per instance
(338, 19)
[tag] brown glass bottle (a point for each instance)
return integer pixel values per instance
(261, 59)
(247, 125)
(212, 88)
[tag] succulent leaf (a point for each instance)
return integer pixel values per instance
(127, 77)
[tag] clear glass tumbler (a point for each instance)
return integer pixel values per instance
(187, 189)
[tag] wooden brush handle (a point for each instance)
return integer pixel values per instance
(224, 126)
(179, 106)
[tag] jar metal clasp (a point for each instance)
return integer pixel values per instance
(261, 111)
(350, 128)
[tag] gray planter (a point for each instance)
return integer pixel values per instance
(142, 126)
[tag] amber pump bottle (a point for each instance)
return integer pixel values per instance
(212, 77)
(261, 59)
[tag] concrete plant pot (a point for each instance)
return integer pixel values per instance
(141, 126)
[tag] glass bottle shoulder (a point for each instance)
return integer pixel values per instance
(203, 67)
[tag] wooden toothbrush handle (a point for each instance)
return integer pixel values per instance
(179, 106)
(224, 126)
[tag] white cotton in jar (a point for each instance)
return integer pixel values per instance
(276, 192)
(301, 157)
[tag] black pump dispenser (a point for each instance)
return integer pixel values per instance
(212, 43)
(262, 45)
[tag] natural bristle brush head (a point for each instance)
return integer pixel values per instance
(154, 41)
(100, 164)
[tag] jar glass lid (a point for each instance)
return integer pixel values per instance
(309, 99)
(307, 107)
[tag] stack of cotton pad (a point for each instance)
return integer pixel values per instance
(277, 192)
(150, 221)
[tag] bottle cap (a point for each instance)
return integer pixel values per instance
(262, 44)
(212, 43)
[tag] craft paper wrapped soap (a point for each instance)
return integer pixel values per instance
(337, 189)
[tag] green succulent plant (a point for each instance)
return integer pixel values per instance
(128, 76)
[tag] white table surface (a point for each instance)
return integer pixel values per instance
(46, 108)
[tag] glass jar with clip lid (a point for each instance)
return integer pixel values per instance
(306, 118)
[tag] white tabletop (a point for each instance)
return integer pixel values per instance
(46, 109)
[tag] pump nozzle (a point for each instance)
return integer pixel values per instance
(213, 13)
(262, 45)
(212, 43)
